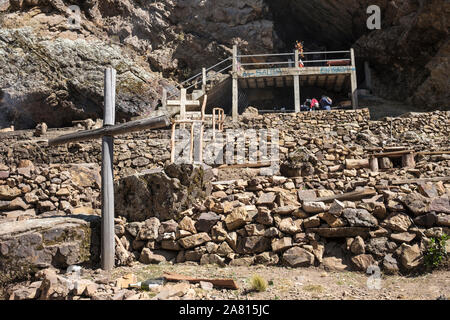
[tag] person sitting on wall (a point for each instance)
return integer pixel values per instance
(314, 104)
(306, 105)
(325, 103)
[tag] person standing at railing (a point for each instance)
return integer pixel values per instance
(299, 47)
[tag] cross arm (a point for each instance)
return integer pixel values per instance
(187, 103)
(131, 126)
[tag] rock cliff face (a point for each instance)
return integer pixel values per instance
(53, 72)
(410, 55)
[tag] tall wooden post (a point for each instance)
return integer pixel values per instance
(354, 81)
(297, 85)
(107, 242)
(235, 102)
(204, 80)
(373, 163)
(183, 107)
(408, 160)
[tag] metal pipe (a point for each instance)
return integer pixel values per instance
(262, 63)
(265, 55)
(325, 52)
(310, 61)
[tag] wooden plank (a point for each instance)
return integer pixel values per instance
(394, 148)
(391, 154)
(351, 196)
(188, 102)
(219, 283)
(356, 163)
(107, 242)
(112, 130)
(246, 165)
(429, 153)
(420, 180)
(354, 81)
(235, 88)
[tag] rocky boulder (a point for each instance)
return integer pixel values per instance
(160, 193)
(26, 246)
(298, 257)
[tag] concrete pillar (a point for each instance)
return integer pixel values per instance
(235, 93)
(354, 81)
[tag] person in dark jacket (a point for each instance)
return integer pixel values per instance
(325, 103)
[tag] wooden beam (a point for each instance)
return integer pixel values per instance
(429, 153)
(107, 242)
(420, 180)
(351, 196)
(392, 154)
(112, 130)
(219, 283)
(235, 89)
(356, 163)
(246, 165)
(354, 81)
(187, 102)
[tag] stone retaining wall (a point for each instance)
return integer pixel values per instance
(276, 221)
(329, 134)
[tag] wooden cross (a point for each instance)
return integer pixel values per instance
(183, 102)
(107, 134)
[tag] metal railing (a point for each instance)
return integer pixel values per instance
(260, 61)
(199, 78)
(322, 58)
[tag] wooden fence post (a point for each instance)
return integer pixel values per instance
(107, 242)
(296, 85)
(235, 88)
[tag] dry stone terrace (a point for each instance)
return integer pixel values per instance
(333, 135)
(204, 215)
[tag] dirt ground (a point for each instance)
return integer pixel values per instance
(304, 283)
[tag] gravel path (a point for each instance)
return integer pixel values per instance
(304, 283)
